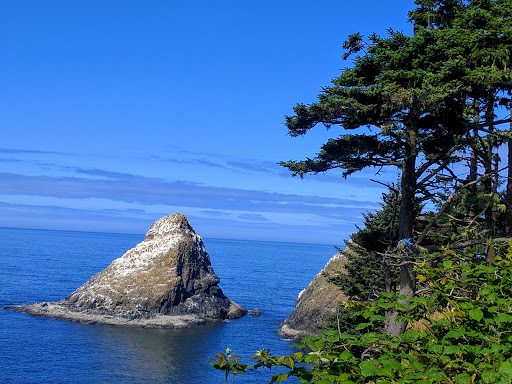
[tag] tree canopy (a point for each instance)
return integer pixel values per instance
(418, 103)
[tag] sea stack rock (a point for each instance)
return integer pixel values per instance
(315, 303)
(165, 281)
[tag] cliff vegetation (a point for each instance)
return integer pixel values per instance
(428, 277)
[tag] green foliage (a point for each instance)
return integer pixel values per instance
(364, 277)
(380, 229)
(458, 332)
(228, 363)
(346, 318)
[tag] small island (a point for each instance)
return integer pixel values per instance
(165, 281)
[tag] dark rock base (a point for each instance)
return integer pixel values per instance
(134, 318)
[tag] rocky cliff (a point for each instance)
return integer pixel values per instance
(315, 303)
(167, 280)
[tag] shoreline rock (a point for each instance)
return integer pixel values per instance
(165, 281)
(314, 304)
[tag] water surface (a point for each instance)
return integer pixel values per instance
(40, 265)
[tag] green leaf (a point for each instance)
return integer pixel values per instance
(363, 326)
(317, 345)
(484, 292)
(397, 366)
(345, 378)
(451, 349)
(470, 367)
(503, 318)
(310, 358)
(462, 378)
(466, 305)
(447, 263)
(410, 336)
(369, 368)
(279, 378)
(387, 372)
(505, 369)
(476, 314)
(435, 348)
(490, 376)
(345, 355)
(434, 374)
(454, 334)
(377, 318)
(297, 356)
(368, 338)
(493, 297)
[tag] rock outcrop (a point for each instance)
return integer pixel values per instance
(165, 281)
(315, 303)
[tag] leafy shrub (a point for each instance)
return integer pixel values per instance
(459, 331)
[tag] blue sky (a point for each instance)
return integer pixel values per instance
(115, 113)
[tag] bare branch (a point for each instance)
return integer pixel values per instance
(454, 176)
(448, 202)
(443, 165)
(493, 123)
(457, 219)
(390, 186)
(467, 243)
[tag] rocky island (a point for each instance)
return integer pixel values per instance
(165, 281)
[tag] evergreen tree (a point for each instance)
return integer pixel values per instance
(410, 110)
(416, 103)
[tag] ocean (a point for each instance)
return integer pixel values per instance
(43, 265)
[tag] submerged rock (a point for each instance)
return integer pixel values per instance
(315, 303)
(165, 281)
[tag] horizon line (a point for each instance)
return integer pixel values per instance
(143, 234)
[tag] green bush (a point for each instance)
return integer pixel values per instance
(459, 331)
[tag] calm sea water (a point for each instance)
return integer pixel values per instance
(40, 265)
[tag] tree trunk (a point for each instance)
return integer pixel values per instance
(473, 169)
(473, 164)
(387, 277)
(489, 187)
(508, 195)
(405, 230)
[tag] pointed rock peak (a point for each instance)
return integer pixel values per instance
(169, 225)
